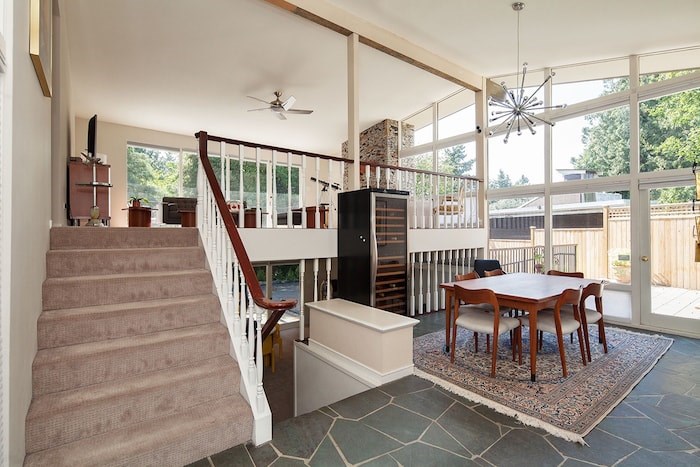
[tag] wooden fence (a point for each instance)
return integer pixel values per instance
(672, 254)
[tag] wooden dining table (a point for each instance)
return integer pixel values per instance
(521, 291)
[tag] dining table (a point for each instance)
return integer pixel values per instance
(521, 291)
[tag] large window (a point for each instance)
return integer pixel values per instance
(152, 173)
(670, 131)
(595, 145)
(518, 162)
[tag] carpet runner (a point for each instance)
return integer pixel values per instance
(565, 407)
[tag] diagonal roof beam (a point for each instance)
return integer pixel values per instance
(342, 22)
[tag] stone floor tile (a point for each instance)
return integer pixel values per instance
(358, 442)
(472, 430)
(681, 405)
(200, 463)
(398, 423)
(602, 448)
(436, 436)
(666, 418)
(287, 462)
(384, 461)
(574, 463)
(326, 455)
(522, 448)
(234, 457)
(645, 433)
(499, 418)
(431, 402)
(624, 410)
(356, 407)
(662, 382)
(655, 459)
(262, 455)
(328, 411)
(422, 455)
(691, 435)
(406, 385)
(300, 436)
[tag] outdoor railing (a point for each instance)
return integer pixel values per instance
(531, 258)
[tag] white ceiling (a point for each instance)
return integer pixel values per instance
(183, 65)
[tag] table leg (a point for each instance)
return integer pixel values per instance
(532, 315)
(448, 318)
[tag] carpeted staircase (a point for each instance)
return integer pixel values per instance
(133, 366)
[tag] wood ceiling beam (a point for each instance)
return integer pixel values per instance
(342, 22)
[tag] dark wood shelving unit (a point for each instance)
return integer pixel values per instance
(372, 248)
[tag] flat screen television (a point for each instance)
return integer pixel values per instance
(91, 135)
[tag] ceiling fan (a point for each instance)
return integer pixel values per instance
(279, 107)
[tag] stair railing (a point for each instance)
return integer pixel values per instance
(242, 299)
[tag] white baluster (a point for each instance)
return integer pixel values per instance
(315, 279)
(236, 303)
(415, 200)
(420, 283)
(378, 176)
(251, 339)
(367, 175)
(302, 271)
(330, 218)
(436, 284)
(328, 278)
(241, 191)
(260, 394)
(317, 214)
(441, 291)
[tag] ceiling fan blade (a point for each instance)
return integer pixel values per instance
(281, 116)
(255, 110)
(259, 100)
(299, 111)
(289, 103)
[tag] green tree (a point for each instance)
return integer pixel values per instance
(669, 136)
(455, 161)
(502, 180)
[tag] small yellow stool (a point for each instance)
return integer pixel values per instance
(268, 347)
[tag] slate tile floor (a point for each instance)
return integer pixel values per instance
(411, 422)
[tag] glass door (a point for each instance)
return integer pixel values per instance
(670, 260)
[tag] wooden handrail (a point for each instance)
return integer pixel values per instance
(419, 171)
(274, 148)
(276, 307)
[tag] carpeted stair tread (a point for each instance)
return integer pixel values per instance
(62, 368)
(69, 326)
(70, 415)
(72, 292)
(82, 262)
(177, 439)
(71, 238)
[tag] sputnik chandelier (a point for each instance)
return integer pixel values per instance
(515, 108)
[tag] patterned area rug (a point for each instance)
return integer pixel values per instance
(565, 407)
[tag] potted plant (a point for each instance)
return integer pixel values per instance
(538, 258)
(621, 270)
(135, 201)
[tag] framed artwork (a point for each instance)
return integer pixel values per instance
(40, 18)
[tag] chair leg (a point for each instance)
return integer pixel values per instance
(580, 344)
(476, 342)
(562, 353)
(601, 333)
(494, 354)
(452, 343)
(584, 325)
(571, 337)
(539, 340)
(519, 337)
(488, 343)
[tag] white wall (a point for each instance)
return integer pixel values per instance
(31, 208)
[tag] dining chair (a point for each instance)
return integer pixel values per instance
(590, 316)
(483, 265)
(466, 277)
(577, 275)
(555, 322)
(473, 318)
(554, 272)
(494, 272)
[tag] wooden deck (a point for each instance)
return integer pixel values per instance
(674, 301)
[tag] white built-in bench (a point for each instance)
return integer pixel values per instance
(351, 348)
